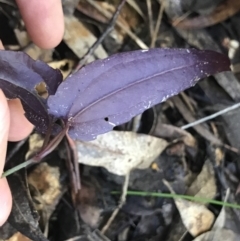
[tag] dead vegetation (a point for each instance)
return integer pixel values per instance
(157, 152)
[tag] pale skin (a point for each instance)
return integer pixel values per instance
(45, 25)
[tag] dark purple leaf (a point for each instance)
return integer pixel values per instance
(110, 92)
(19, 76)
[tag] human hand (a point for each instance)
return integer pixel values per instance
(44, 22)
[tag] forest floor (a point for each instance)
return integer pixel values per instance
(129, 176)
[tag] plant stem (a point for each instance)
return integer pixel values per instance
(186, 197)
(39, 156)
(51, 145)
(17, 168)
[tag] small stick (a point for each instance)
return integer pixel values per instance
(75, 163)
(136, 122)
(15, 149)
(102, 37)
(183, 235)
(72, 174)
(105, 13)
(121, 203)
(181, 18)
(150, 17)
(210, 117)
(134, 5)
(156, 30)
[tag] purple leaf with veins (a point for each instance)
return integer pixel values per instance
(111, 91)
(19, 75)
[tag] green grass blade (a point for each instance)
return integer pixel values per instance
(177, 196)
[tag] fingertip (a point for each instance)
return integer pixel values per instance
(1, 45)
(5, 194)
(20, 127)
(5, 201)
(44, 21)
(4, 129)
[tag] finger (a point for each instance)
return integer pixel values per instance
(44, 21)
(4, 128)
(20, 127)
(5, 194)
(5, 201)
(1, 45)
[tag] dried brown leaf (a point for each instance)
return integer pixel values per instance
(196, 217)
(119, 152)
(205, 184)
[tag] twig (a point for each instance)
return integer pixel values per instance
(105, 13)
(15, 149)
(156, 30)
(210, 117)
(98, 236)
(200, 129)
(183, 235)
(181, 18)
(136, 122)
(109, 28)
(150, 17)
(231, 148)
(186, 99)
(121, 203)
(134, 5)
(155, 120)
(72, 173)
(167, 184)
(75, 163)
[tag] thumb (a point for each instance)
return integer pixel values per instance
(5, 194)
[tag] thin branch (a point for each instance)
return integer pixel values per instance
(72, 144)
(135, 6)
(156, 30)
(109, 28)
(15, 149)
(121, 203)
(105, 13)
(183, 235)
(181, 18)
(150, 17)
(210, 117)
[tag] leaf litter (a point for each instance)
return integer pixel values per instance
(120, 152)
(176, 155)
